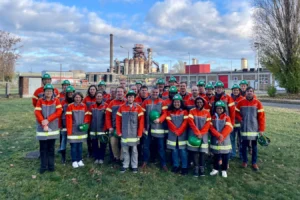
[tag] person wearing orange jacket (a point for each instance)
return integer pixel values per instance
(47, 112)
(251, 114)
(89, 100)
(39, 93)
(172, 82)
(199, 123)
(112, 95)
(177, 120)
(220, 129)
(166, 103)
(62, 94)
(102, 88)
(209, 96)
(98, 128)
(236, 133)
(143, 95)
(77, 115)
(63, 131)
(130, 125)
(110, 121)
(183, 92)
(154, 129)
(221, 96)
(243, 85)
(201, 88)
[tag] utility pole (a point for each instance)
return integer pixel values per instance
(257, 45)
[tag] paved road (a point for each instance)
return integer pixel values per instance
(282, 105)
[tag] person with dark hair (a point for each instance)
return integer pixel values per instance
(183, 91)
(110, 122)
(143, 95)
(138, 85)
(64, 85)
(89, 100)
(112, 95)
(47, 112)
(199, 123)
(102, 88)
(177, 120)
(209, 97)
(201, 88)
(63, 132)
(220, 145)
(98, 128)
(250, 113)
(243, 86)
(190, 102)
(77, 114)
(172, 82)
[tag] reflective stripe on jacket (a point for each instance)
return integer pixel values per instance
(39, 93)
(97, 121)
(89, 101)
(230, 106)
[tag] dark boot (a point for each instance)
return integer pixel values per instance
(175, 170)
(63, 156)
(201, 171)
(196, 171)
(184, 171)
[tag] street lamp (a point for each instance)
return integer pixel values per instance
(257, 45)
(126, 49)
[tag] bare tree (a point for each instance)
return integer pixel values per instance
(8, 54)
(179, 67)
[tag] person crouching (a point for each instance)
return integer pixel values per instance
(177, 119)
(220, 129)
(77, 118)
(130, 126)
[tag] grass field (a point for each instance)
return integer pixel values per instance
(278, 178)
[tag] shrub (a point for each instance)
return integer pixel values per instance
(272, 91)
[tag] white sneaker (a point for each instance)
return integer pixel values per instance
(214, 172)
(96, 162)
(80, 164)
(75, 164)
(101, 161)
(224, 174)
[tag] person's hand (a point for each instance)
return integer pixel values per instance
(46, 128)
(111, 130)
(221, 138)
(199, 136)
(45, 122)
(156, 121)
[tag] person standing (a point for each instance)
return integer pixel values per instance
(154, 129)
(199, 123)
(98, 128)
(250, 113)
(62, 94)
(39, 93)
(63, 132)
(138, 85)
(172, 82)
(130, 125)
(77, 115)
(201, 88)
(177, 119)
(183, 91)
(160, 84)
(220, 129)
(102, 88)
(112, 95)
(47, 112)
(143, 95)
(209, 97)
(110, 122)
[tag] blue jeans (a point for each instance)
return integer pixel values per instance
(98, 152)
(183, 157)
(245, 144)
(76, 151)
(160, 146)
(63, 142)
(236, 135)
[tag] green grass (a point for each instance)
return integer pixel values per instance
(278, 177)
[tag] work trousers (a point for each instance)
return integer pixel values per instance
(127, 158)
(47, 154)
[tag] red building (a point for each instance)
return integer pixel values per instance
(197, 69)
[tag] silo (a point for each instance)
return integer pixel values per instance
(164, 68)
(136, 66)
(118, 70)
(142, 65)
(131, 65)
(125, 66)
(194, 61)
(244, 63)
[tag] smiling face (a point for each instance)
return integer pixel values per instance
(219, 110)
(130, 99)
(177, 104)
(236, 92)
(243, 87)
(199, 103)
(77, 99)
(195, 91)
(154, 93)
(120, 93)
(250, 94)
(92, 91)
(48, 93)
(201, 89)
(219, 90)
(144, 92)
(99, 97)
(183, 88)
(46, 81)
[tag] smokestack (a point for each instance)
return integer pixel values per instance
(111, 53)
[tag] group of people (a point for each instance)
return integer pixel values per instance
(139, 124)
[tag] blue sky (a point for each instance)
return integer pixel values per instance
(76, 33)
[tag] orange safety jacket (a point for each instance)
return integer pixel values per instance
(111, 112)
(62, 96)
(50, 110)
(139, 100)
(230, 106)
(106, 96)
(190, 103)
(39, 93)
(237, 99)
(186, 96)
(97, 119)
(76, 115)
(130, 124)
(251, 114)
(243, 94)
(165, 95)
(88, 101)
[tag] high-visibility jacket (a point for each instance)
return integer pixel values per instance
(130, 124)
(109, 100)
(199, 123)
(97, 119)
(203, 95)
(63, 124)
(165, 105)
(251, 114)
(148, 105)
(76, 115)
(106, 96)
(177, 121)
(62, 96)
(186, 96)
(220, 125)
(230, 106)
(50, 110)
(237, 99)
(190, 104)
(88, 101)
(111, 112)
(165, 95)
(139, 100)
(39, 93)
(210, 100)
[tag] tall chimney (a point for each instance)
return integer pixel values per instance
(111, 53)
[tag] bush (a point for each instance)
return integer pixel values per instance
(272, 91)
